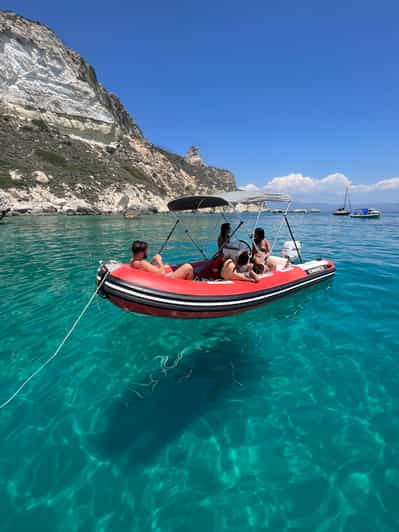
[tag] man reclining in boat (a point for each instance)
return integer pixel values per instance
(156, 265)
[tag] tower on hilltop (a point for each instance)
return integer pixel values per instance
(193, 156)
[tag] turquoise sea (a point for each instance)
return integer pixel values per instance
(283, 418)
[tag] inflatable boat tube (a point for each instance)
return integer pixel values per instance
(156, 295)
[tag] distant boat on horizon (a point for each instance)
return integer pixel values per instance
(365, 213)
(295, 211)
(343, 211)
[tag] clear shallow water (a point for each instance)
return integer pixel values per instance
(284, 418)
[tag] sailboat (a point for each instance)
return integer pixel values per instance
(343, 211)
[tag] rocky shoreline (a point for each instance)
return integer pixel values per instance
(78, 211)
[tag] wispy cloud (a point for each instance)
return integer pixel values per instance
(329, 188)
(384, 184)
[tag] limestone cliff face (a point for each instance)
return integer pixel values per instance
(66, 143)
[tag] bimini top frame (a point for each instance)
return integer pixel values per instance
(224, 199)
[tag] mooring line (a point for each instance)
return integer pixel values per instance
(61, 345)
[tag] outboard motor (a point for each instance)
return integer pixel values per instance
(289, 251)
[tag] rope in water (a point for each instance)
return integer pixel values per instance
(61, 345)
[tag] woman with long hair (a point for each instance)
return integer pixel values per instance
(224, 237)
(261, 245)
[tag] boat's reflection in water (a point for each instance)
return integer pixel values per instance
(228, 361)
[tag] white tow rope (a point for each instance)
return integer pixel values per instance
(61, 345)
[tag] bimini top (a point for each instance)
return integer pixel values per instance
(224, 198)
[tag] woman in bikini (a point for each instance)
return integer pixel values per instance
(262, 246)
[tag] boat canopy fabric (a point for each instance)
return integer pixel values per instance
(225, 198)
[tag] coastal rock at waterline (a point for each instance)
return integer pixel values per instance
(123, 202)
(131, 214)
(67, 143)
(38, 199)
(135, 212)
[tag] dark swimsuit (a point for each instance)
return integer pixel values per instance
(259, 269)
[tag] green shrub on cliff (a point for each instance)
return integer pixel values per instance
(51, 157)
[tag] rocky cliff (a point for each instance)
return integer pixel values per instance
(68, 145)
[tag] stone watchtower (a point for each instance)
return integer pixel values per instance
(193, 156)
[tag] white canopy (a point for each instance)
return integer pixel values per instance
(225, 198)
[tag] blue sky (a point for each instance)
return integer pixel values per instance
(266, 89)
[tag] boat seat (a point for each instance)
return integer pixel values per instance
(211, 271)
(280, 263)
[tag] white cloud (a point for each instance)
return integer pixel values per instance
(300, 184)
(329, 188)
(250, 187)
(384, 184)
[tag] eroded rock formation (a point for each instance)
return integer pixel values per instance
(68, 145)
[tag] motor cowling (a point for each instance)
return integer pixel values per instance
(289, 251)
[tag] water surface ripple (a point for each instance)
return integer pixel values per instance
(284, 418)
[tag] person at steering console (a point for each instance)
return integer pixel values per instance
(156, 264)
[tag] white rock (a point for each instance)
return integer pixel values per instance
(15, 175)
(40, 177)
(35, 69)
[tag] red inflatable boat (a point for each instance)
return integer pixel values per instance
(207, 296)
(157, 295)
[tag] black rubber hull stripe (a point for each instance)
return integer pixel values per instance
(208, 298)
(212, 308)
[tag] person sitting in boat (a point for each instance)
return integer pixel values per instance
(259, 262)
(156, 265)
(239, 270)
(262, 245)
(224, 237)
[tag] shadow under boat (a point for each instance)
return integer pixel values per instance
(157, 407)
